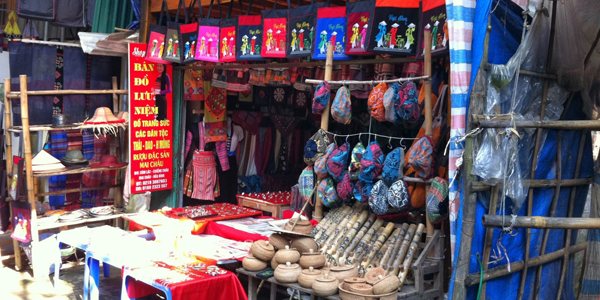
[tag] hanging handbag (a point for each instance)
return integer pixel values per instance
(302, 21)
(331, 23)
(208, 33)
(249, 36)
(395, 27)
(358, 30)
(228, 30)
(172, 52)
(434, 19)
(70, 13)
(189, 36)
(274, 31)
(43, 10)
(156, 38)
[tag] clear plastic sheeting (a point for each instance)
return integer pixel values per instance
(504, 155)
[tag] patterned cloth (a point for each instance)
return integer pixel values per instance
(337, 163)
(188, 142)
(327, 193)
(378, 198)
(409, 108)
(58, 106)
(316, 146)
(221, 148)
(306, 184)
(345, 189)
(375, 102)
(285, 124)
(371, 163)
(321, 98)
(215, 121)
(420, 157)
(205, 175)
(58, 149)
(248, 120)
(437, 204)
(354, 167)
(74, 142)
(397, 197)
(341, 107)
(391, 99)
(393, 166)
(357, 191)
(94, 179)
(321, 163)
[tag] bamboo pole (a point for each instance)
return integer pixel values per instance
(359, 236)
(362, 245)
(489, 234)
(395, 268)
(358, 82)
(481, 186)
(560, 124)
(414, 245)
(389, 244)
(339, 249)
(331, 228)
(338, 229)
(325, 119)
(15, 95)
(500, 271)
(543, 222)
(62, 192)
(340, 237)
(378, 243)
(9, 164)
(326, 222)
(394, 247)
(428, 113)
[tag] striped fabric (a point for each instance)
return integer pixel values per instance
(87, 144)
(74, 142)
(58, 149)
(188, 142)
(205, 175)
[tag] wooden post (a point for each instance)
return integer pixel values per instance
(325, 120)
(9, 164)
(428, 112)
(145, 20)
(116, 107)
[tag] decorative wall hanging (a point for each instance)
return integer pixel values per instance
(358, 31)
(434, 19)
(208, 33)
(331, 30)
(274, 27)
(172, 52)
(301, 29)
(156, 38)
(395, 27)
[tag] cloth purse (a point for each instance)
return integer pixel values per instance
(189, 36)
(434, 19)
(44, 10)
(249, 36)
(378, 198)
(395, 27)
(398, 197)
(393, 166)
(274, 27)
(371, 163)
(306, 184)
(437, 200)
(354, 167)
(316, 147)
(172, 52)
(156, 38)
(302, 21)
(358, 30)
(341, 107)
(228, 35)
(345, 189)
(337, 163)
(420, 157)
(321, 163)
(208, 35)
(328, 194)
(331, 23)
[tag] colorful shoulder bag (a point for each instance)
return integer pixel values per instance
(249, 36)
(358, 15)
(173, 51)
(331, 23)
(156, 38)
(274, 31)
(395, 27)
(208, 33)
(302, 21)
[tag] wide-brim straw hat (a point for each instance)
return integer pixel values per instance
(104, 115)
(44, 162)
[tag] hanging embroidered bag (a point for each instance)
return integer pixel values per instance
(393, 166)
(358, 31)
(357, 154)
(437, 200)
(395, 27)
(328, 194)
(316, 147)
(420, 157)
(208, 35)
(408, 107)
(337, 163)
(249, 36)
(434, 19)
(331, 23)
(306, 184)
(371, 163)
(228, 35)
(274, 31)
(321, 163)
(172, 51)
(378, 198)
(375, 102)
(189, 36)
(302, 21)
(398, 197)
(345, 189)
(156, 38)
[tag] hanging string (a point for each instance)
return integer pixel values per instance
(373, 134)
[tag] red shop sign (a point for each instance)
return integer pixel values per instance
(150, 122)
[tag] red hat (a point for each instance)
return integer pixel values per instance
(108, 161)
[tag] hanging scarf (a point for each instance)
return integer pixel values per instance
(215, 121)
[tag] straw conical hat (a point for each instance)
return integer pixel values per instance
(104, 115)
(44, 162)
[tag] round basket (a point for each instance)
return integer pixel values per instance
(347, 295)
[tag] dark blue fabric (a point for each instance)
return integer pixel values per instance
(75, 67)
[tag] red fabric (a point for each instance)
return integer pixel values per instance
(221, 287)
(231, 233)
(431, 4)
(332, 12)
(249, 20)
(396, 3)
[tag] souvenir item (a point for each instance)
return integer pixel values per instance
(215, 118)
(354, 168)
(358, 14)
(437, 200)
(345, 189)
(228, 35)
(341, 107)
(375, 102)
(287, 255)
(195, 82)
(327, 193)
(337, 162)
(321, 99)
(316, 146)
(274, 42)
(306, 183)
(391, 100)
(189, 39)
(287, 272)
(420, 157)
(397, 197)
(331, 22)
(321, 163)
(393, 166)
(249, 38)
(307, 246)
(104, 121)
(302, 21)
(44, 162)
(371, 163)
(253, 264)
(342, 272)
(408, 108)
(156, 38)
(74, 157)
(378, 198)
(208, 35)
(278, 241)
(434, 19)
(325, 285)
(43, 10)
(308, 275)
(357, 191)
(173, 36)
(21, 212)
(395, 27)
(61, 120)
(263, 250)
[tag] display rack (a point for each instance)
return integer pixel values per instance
(32, 193)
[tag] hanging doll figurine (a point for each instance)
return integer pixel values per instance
(231, 46)
(175, 49)
(224, 46)
(202, 46)
(382, 31)
(301, 39)
(445, 40)
(434, 34)
(363, 36)
(244, 44)
(154, 47)
(354, 37)
(393, 33)
(294, 40)
(323, 42)
(170, 48)
(187, 50)
(278, 40)
(409, 36)
(269, 39)
(160, 51)
(253, 45)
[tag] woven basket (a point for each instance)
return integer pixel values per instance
(347, 295)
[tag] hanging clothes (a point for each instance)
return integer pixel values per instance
(205, 175)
